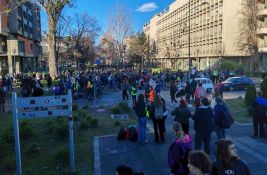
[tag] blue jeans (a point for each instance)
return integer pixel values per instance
(220, 132)
(142, 129)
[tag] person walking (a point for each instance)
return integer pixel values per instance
(159, 127)
(220, 111)
(134, 93)
(199, 163)
(2, 100)
(182, 114)
(179, 150)
(140, 109)
(227, 160)
(124, 88)
(199, 93)
(259, 114)
(203, 125)
(173, 90)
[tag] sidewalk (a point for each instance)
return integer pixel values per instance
(151, 158)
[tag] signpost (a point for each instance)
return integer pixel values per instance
(40, 107)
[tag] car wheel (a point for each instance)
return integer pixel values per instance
(231, 88)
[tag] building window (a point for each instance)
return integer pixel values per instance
(19, 11)
(21, 46)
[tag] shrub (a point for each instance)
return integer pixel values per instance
(250, 95)
(34, 148)
(88, 118)
(8, 136)
(75, 117)
(50, 126)
(4, 150)
(25, 130)
(62, 157)
(94, 123)
(228, 65)
(62, 131)
(117, 123)
(116, 110)
(82, 113)
(84, 125)
(85, 107)
(60, 120)
(124, 107)
(9, 163)
(264, 87)
(75, 107)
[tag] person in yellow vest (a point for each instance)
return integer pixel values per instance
(134, 93)
(151, 94)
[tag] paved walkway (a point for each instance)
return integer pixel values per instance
(151, 158)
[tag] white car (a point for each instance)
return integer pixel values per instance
(206, 83)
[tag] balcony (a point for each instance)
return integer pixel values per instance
(262, 31)
(262, 12)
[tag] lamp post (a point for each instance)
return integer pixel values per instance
(14, 60)
(189, 35)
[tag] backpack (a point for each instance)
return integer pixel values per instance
(227, 119)
(159, 113)
(132, 133)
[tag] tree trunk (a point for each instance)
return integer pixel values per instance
(52, 49)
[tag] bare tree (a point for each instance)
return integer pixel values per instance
(53, 9)
(248, 23)
(120, 28)
(84, 32)
(107, 48)
(61, 32)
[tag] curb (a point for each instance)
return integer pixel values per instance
(97, 168)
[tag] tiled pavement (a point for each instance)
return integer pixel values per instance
(151, 158)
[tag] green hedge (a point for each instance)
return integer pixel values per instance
(250, 95)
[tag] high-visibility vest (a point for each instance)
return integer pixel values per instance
(133, 91)
(147, 113)
(151, 95)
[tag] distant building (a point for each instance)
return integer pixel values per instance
(20, 36)
(213, 33)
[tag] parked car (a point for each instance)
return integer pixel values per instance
(236, 83)
(206, 83)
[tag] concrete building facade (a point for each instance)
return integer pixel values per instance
(20, 36)
(213, 33)
(262, 34)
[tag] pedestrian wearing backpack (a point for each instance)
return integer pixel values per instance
(259, 115)
(140, 109)
(179, 150)
(182, 114)
(219, 117)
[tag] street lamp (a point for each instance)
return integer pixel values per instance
(14, 60)
(189, 36)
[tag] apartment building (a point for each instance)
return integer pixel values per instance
(213, 35)
(20, 36)
(262, 34)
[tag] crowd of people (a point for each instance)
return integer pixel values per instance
(184, 92)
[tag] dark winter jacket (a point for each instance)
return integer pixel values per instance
(140, 109)
(219, 114)
(260, 108)
(178, 153)
(182, 114)
(203, 120)
(240, 168)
